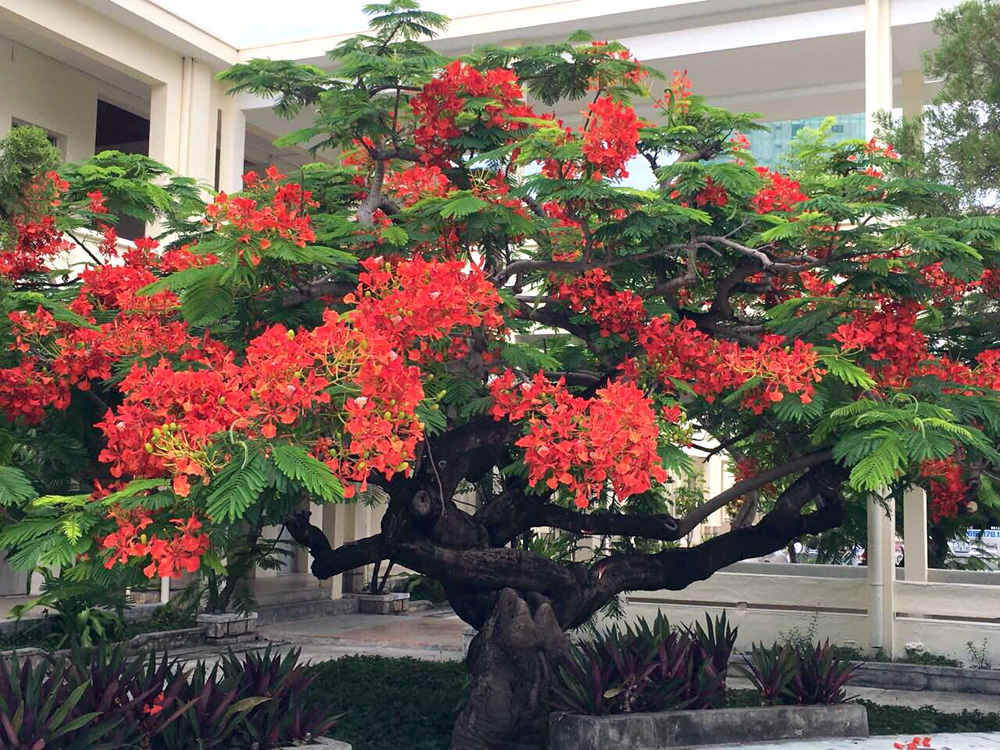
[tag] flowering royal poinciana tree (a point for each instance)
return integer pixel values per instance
(470, 300)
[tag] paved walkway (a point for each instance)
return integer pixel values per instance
(938, 742)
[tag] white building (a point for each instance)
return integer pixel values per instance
(131, 75)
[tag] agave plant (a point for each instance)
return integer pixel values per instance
(285, 717)
(770, 669)
(41, 707)
(820, 677)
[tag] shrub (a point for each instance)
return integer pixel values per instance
(286, 717)
(110, 697)
(813, 674)
(646, 667)
(820, 676)
(770, 669)
(391, 703)
(41, 707)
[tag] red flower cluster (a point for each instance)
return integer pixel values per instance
(946, 287)
(888, 336)
(874, 148)
(619, 312)
(610, 138)
(582, 444)
(410, 185)
(170, 557)
(781, 370)
(36, 240)
(417, 304)
(710, 366)
(279, 213)
(914, 744)
(439, 103)
(947, 488)
(780, 193)
(682, 352)
(170, 417)
(711, 195)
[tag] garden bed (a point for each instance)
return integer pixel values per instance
(389, 704)
(653, 731)
(160, 641)
(902, 676)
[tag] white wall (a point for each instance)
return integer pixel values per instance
(38, 90)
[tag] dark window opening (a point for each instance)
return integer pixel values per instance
(121, 130)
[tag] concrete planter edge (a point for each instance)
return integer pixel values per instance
(677, 729)
(926, 677)
(321, 743)
(392, 603)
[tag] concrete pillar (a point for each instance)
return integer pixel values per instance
(35, 584)
(358, 517)
(164, 590)
(878, 60)
(915, 535)
(231, 146)
(183, 124)
(881, 574)
(334, 526)
(164, 124)
(912, 93)
(202, 123)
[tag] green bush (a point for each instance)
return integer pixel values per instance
(387, 704)
(926, 720)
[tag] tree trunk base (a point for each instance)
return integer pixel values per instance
(512, 661)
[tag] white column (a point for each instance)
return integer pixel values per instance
(164, 123)
(912, 93)
(202, 124)
(915, 535)
(334, 525)
(878, 60)
(881, 573)
(305, 558)
(164, 590)
(231, 146)
(357, 529)
(35, 582)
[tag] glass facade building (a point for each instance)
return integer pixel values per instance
(770, 146)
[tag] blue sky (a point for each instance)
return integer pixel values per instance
(251, 22)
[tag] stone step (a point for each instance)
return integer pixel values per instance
(303, 609)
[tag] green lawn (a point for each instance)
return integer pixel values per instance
(395, 703)
(390, 704)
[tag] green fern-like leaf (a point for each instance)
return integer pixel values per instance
(295, 463)
(237, 487)
(15, 488)
(881, 467)
(848, 372)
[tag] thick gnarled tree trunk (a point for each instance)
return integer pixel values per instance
(523, 602)
(512, 661)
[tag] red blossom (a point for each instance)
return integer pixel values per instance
(610, 138)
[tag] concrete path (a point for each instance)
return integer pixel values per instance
(938, 742)
(432, 635)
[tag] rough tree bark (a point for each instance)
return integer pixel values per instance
(511, 661)
(523, 602)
